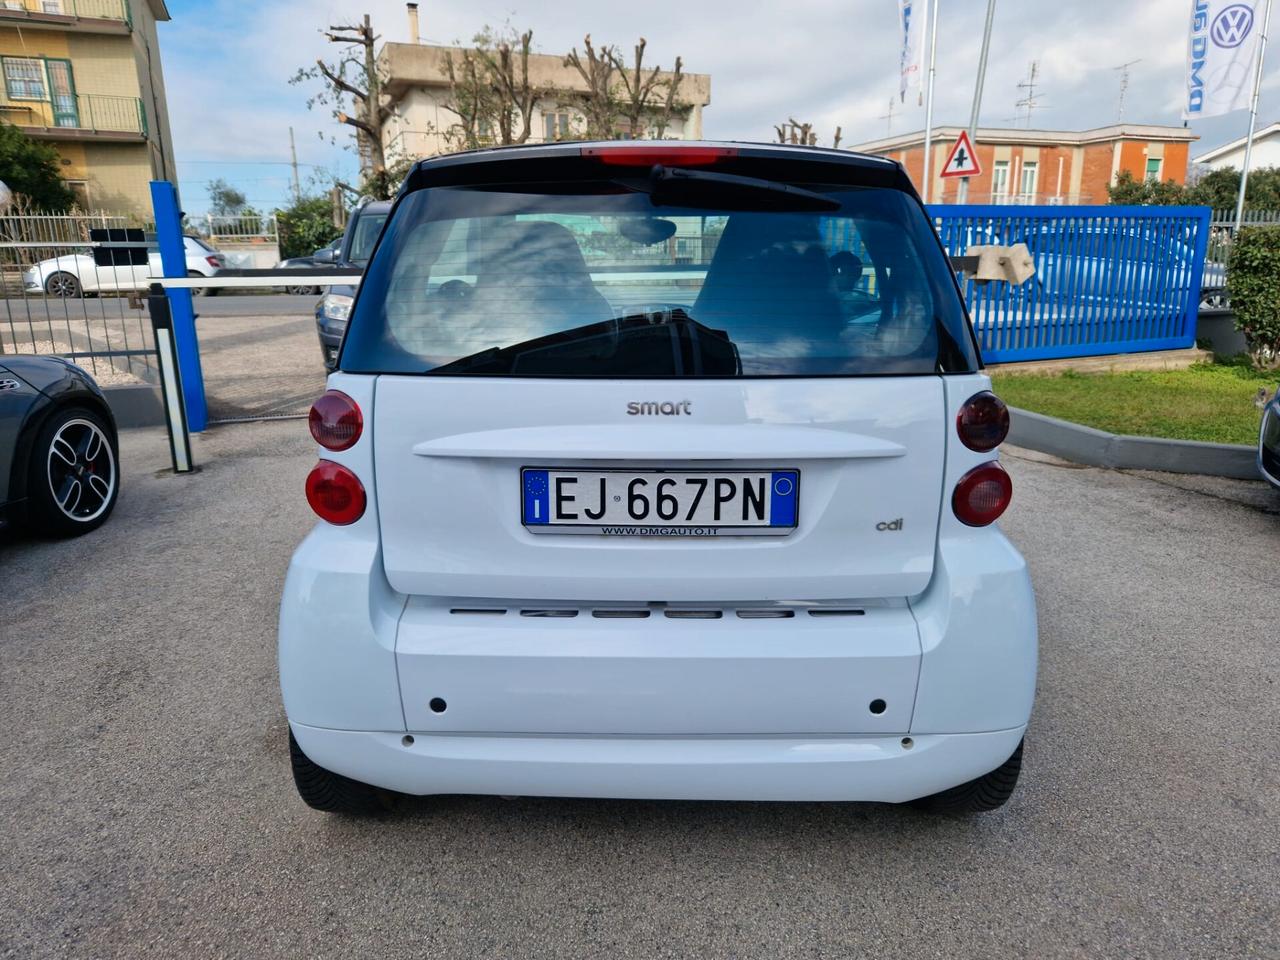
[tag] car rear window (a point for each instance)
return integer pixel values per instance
(596, 280)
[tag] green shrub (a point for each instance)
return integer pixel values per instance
(31, 168)
(306, 226)
(1253, 285)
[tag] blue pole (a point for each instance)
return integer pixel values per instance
(173, 258)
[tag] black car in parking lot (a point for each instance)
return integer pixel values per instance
(59, 453)
(1269, 441)
(363, 229)
(323, 257)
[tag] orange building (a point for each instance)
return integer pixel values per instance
(1044, 166)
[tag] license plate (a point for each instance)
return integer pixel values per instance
(671, 503)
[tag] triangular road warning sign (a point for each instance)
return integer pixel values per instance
(962, 161)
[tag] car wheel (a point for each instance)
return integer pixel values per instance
(322, 789)
(74, 474)
(63, 284)
(200, 291)
(987, 792)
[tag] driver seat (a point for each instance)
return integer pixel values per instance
(532, 281)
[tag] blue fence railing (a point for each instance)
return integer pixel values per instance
(1108, 279)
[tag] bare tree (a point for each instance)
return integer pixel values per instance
(471, 98)
(638, 87)
(490, 90)
(355, 75)
(641, 99)
(669, 105)
(598, 103)
(793, 131)
(509, 74)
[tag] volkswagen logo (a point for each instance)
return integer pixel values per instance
(1231, 27)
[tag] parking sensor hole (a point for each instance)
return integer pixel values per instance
(878, 706)
(907, 743)
(407, 740)
(437, 705)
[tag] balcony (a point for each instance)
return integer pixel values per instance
(88, 16)
(85, 116)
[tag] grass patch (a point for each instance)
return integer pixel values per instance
(1209, 401)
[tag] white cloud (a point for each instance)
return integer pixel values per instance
(826, 61)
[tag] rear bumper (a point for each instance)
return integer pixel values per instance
(662, 768)
(658, 714)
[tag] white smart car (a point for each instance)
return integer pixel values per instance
(658, 470)
(75, 274)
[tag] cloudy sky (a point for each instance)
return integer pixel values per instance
(227, 65)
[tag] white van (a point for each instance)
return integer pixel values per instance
(658, 470)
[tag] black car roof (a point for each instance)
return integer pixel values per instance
(573, 148)
(568, 159)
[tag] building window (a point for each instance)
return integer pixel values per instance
(51, 6)
(555, 126)
(80, 190)
(1153, 168)
(1029, 171)
(1000, 178)
(24, 78)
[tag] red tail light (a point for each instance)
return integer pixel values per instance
(983, 422)
(335, 421)
(647, 156)
(335, 493)
(982, 495)
(213, 261)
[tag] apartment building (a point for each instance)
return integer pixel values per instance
(1044, 166)
(85, 76)
(416, 83)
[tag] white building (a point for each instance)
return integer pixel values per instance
(1266, 151)
(416, 85)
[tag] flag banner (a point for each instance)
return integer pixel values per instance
(915, 14)
(1222, 52)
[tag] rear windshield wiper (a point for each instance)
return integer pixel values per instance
(676, 186)
(632, 344)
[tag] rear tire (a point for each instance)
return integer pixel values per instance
(330, 792)
(987, 792)
(200, 291)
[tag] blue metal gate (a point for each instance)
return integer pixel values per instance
(1108, 279)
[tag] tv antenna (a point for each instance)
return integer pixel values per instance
(1124, 86)
(1029, 102)
(888, 118)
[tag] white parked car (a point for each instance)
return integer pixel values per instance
(74, 275)
(608, 515)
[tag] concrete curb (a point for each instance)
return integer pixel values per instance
(135, 405)
(1097, 448)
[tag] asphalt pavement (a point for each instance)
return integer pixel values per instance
(146, 808)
